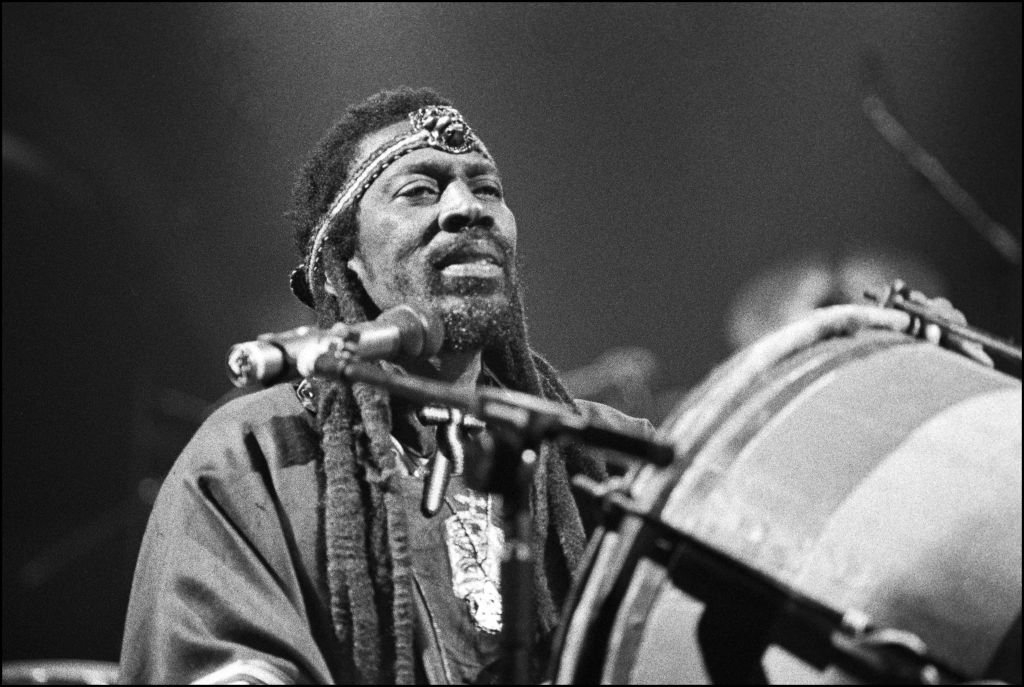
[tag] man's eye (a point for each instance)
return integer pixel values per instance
(418, 191)
(489, 190)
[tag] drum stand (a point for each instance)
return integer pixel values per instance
(503, 461)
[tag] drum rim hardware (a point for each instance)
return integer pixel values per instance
(898, 296)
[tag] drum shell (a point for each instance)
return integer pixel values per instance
(60, 672)
(872, 472)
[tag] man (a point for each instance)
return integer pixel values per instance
(288, 543)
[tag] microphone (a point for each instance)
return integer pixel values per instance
(281, 356)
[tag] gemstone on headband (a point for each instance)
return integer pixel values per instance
(446, 128)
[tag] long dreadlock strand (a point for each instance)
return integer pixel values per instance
(389, 532)
(348, 574)
(528, 371)
(577, 460)
(382, 607)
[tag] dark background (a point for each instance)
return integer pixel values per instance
(658, 157)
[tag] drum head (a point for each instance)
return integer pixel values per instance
(60, 672)
(874, 475)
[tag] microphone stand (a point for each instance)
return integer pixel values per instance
(505, 464)
(518, 411)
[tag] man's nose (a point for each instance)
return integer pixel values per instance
(461, 209)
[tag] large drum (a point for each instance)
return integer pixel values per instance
(845, 502)
(60, 672)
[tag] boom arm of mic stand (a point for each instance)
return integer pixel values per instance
(537, 417)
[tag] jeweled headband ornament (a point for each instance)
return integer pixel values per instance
(437, 126)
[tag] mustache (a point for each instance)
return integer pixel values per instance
(473, 244)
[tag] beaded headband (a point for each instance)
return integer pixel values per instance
(438, 126)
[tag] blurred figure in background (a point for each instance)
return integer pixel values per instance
(788, 291)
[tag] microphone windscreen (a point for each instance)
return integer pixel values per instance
(422, 332)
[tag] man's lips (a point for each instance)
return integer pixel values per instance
(483, 260)
(480, 269)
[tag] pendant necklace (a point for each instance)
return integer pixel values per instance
(474, 550)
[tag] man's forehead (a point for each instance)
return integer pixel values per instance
(435, 162)
(375, 140)
(423, 158)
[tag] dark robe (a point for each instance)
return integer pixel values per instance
(231, 576)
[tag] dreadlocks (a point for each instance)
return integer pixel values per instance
(367, 552)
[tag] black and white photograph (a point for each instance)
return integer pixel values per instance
(512, 343)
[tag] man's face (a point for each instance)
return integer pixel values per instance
(434, 230)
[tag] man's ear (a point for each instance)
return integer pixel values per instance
(356, 265)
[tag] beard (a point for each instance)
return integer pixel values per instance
(473, 323)
(476, 313)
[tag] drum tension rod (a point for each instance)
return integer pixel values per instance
(897, 296)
